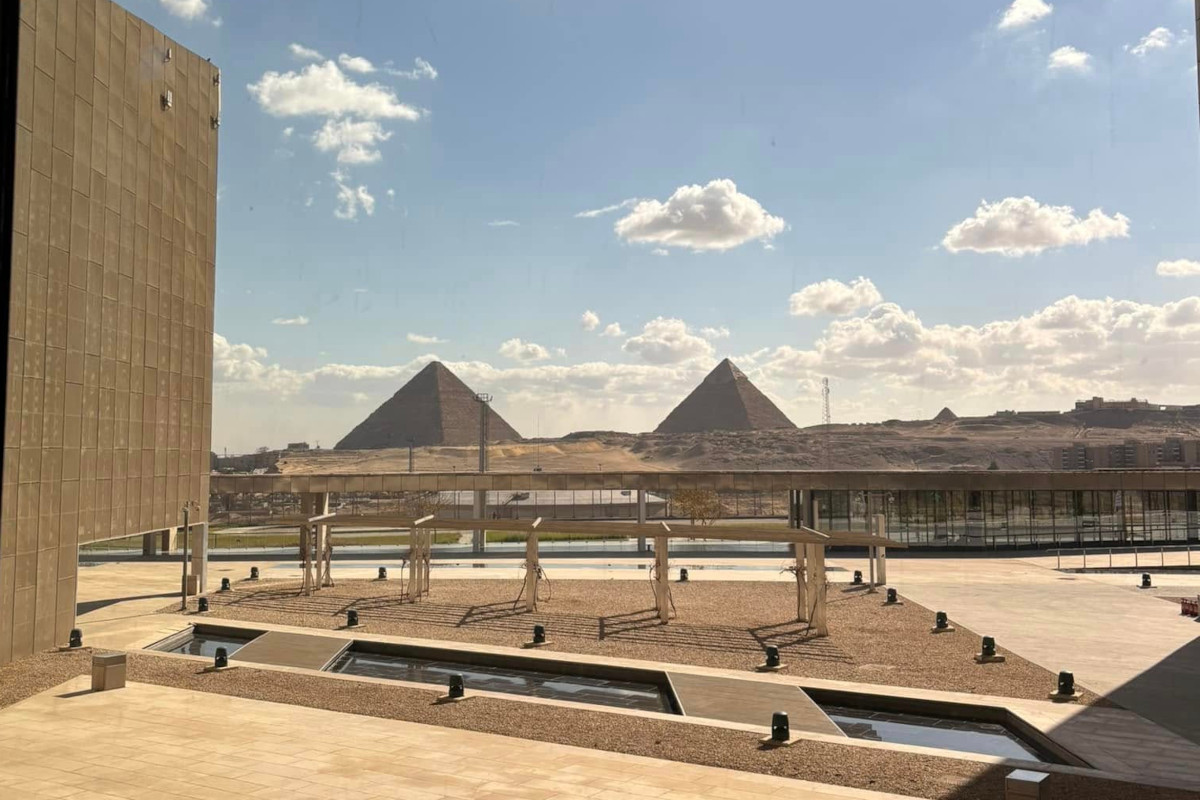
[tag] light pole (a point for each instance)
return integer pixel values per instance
(187, 507)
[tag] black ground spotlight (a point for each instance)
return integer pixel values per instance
(858, 577)
(683, 575)
(351, 618)
(225, 584)
(891, 596)
(254, 573)
(76, 638)
(781, 731)
(988, 650)
(202, 605)
(457, 688)
(221, 659)
(940, 621)
(383, 573)
(539, 634)
(1066, 683)
(1146, 580)
(772, 657)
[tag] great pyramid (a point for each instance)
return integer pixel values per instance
(725, 400)
(434, 408)
(945, 415)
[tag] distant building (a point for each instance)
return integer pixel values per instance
(558, 504)
(1130, 454)
(298, 447)
(1132, 404)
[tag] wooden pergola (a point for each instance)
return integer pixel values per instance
(807, 545)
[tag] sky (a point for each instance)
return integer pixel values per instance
(582, 208)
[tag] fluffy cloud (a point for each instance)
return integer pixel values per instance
(503, 223)
(715, 216)
(421, 69)
(894, 363)
(186, 9)
(612, 330)
(1158, 39)
(715, 333)
(659, 251)
(525, 352)
(323, 90)
(417, 338)
(666, 340)
(354, 141)
(1017, 226)
(1069, 59)
(1182, 268)
(351, 198)
(355, 64)
(305, 53)
(589, 320)
(596, 212)
(834, 297)
(299, 321)
(1024, 12)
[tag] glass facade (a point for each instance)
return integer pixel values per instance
(1016, 518)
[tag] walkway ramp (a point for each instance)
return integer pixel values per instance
(292, 650)
(749, 701)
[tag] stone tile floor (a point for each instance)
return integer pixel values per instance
(157, 742)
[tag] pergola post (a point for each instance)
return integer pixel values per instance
(414, 587)
(479, 509)
(426, 554)
(799, 551)
(819, 621)
(662, 588)
(199, 565)
(531, 571)
(312, 504)
(880, 530)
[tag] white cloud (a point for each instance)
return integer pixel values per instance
(1024, 12)
(417, 338)
(1158, 39)
(288, 131)
(715, 333)
(834, 297)
(423, 69)
(1069, 59)
(893, 363)
(1181, 268)
(659, 251)
(305, 53)
(612, 330)
(525, 352)
(298, 321)
(666, 340)
(351, 198)
(503, 223)
(355, 64)
(560, 352)
(355, 141)
(391, 193)
(324, 90)
(1017, 226)
(186, 9)
(715, 216)
(588, 320)
(596, 212)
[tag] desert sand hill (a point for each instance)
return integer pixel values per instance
(967, 443)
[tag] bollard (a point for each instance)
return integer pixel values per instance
(254, 573)
(221, 659)
(202, 605)
(383, 573)
(858, 577)
(76, 639)
(457, 688)
(225, 584)
(108, 672)
(351, 618)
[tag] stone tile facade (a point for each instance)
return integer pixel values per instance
(108, 364)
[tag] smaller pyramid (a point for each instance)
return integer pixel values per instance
(725, 400)
(945, 415)
(434, 408)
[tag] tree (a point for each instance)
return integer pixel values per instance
(422, 504)
(701, 506)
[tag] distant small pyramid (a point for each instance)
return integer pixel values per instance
(434, 408)
(726, 400)
(945, 415)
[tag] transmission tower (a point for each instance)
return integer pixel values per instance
(826, 422)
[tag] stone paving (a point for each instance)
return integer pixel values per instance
(156, 742)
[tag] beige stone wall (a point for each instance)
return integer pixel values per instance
(108, 413)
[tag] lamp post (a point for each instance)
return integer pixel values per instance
(187, 508)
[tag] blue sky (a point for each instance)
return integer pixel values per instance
(389, 169)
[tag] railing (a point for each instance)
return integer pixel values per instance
(1143, 556)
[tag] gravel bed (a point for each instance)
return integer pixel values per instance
(722, 624)
(30, 675)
